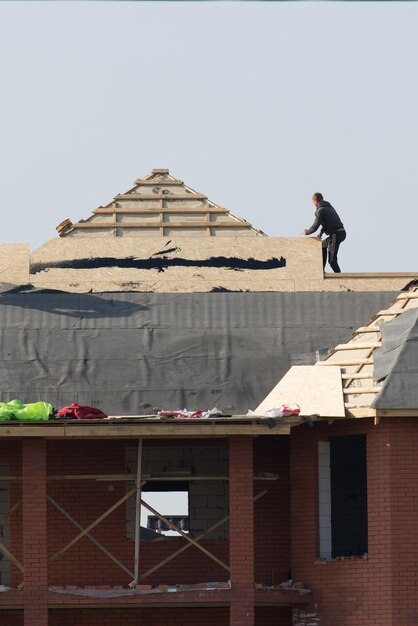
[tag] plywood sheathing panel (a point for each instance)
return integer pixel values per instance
(293, 257)
(302, 270)
(318, 391)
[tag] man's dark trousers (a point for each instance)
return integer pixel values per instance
(333, 243)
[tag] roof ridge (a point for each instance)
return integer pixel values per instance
(159, 205)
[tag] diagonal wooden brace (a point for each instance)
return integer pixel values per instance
(198, 538)
(92, 539)
(187, 537)
(92, 525)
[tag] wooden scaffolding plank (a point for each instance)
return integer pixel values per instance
(357, 345)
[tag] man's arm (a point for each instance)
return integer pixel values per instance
(315, 225)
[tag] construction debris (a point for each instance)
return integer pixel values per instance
(108, 591)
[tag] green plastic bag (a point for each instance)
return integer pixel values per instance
(8, 409)
(35, 411)
(16, 410)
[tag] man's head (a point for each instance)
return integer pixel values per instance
(317, 198)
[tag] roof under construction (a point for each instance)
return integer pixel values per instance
(159, 205)
(134, 354)
(372, 374)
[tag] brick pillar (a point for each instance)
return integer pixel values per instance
(35, 558)
(241, 530)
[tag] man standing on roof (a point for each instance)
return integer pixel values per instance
(328, 219)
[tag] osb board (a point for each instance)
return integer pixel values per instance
(302, 270)
(73, 284)
(14, 263)
(301, 257)
(317, 390)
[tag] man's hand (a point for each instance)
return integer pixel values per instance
(303, 232)
(318, 236)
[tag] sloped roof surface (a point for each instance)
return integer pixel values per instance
(134, 353)
(362, 374)
(159, 205)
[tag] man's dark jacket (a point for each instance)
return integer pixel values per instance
(326, 217)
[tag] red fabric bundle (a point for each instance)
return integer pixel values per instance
(75, 411)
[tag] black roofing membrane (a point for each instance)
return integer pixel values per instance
(396, 362)
(136, 353)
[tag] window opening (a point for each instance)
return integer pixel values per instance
(342, 496)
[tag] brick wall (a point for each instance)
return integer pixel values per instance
(272, 512)
(11, 618)
(403, 435)
(140, 617)
(273, 616)
(11, 458)
(208, 616)
(241, 544)
(349, 592)
(84, 564)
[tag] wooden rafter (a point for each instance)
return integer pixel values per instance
(173, 204)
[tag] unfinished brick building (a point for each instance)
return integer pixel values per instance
(149, 319)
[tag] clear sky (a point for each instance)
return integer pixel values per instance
(257, 105)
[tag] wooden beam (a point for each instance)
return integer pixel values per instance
(158, 183)
(367, 329)
(360, 366)
(357, 345)
(409, 295)
(397, 412)
(387, 313)
(91, 526)
(152, 211)
(4, 517)
(160, 196)
(138, 511)
(352, 391)
(185, 536)
(346, 363)
(359, 411)
(10, 556)
(159, 224)
(358, 376)
(130, 478)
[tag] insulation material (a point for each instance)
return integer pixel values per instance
(136, 353)
(318, 391)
